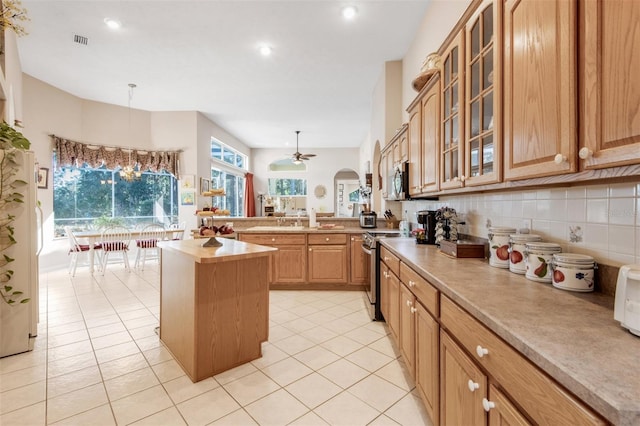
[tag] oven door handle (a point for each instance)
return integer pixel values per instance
(366, 250)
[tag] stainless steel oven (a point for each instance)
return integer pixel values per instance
(370, 245)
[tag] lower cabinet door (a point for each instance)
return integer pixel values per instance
(462, 386)
(502, 411)
(393, 319)
(328, 264)
(408, 329)
(289, 264)
(428, 361)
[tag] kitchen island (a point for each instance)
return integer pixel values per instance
(214, 303)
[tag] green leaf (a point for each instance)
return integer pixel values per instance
(25, 300)
(8, 288)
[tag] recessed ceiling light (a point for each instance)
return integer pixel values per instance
(349, 12)
(114, 24)
(265, 50)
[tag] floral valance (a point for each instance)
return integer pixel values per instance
(71, 153)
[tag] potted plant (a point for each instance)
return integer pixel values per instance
(11, 141)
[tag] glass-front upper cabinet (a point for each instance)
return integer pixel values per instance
(483, 136)
(452, 135)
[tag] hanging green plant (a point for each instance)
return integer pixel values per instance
(11, 141)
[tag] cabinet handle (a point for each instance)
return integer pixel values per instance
(481, 351)
(585, 153)
(559, 159)
(385, 274)
(488, 405)
(463, 178)
(386, 259)
(413, 310)
(473, 385)
(411, 283)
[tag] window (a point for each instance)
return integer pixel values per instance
(88, 197)
(228, 168)
(289, 187)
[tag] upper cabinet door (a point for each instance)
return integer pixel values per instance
(483, 98)
(430, 130)
(452, 143)
(415, 150)
(539, 88)
(610, 90)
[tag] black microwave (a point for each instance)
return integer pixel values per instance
(398, 183)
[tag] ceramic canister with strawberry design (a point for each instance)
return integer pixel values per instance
(499, 246)
(574, 272)
(537, 256)
(516, 249)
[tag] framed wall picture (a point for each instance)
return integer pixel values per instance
(43, 177)
(187, 198)
(188, 182)
(205, 185)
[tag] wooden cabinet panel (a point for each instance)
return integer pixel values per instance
(383, 173)
(460, 403)
(543, 400)
(393, 319)
(327, 239)
(483, 105)
(425, 292)
(415, 149)
(359, 262)
(430, 137)
(274, 239)
(392, 261)
(539, 88)
(328, 264)
(384, 291)
(609, 94)
(428, 361)
(289, 264)
(504, 413)
(452, 115)
(407, 329)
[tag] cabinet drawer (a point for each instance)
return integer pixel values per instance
(272, 239)
(392, 261)
(424, 292)
(318, 239)
(543, 399)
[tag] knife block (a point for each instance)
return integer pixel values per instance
(393, 223)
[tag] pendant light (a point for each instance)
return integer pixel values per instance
(130, 172)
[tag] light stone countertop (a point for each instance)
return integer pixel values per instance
(230, 250)
(571, 336)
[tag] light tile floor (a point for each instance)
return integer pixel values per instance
(98, 361)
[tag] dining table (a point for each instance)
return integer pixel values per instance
(94, 236)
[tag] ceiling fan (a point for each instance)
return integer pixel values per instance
(297, 156)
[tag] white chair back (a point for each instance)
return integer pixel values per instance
(147, 241)
(115, 239)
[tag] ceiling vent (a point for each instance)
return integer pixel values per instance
(80, 39)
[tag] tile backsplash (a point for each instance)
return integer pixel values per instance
(601, 220)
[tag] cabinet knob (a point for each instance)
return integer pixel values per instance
(310, 249)
(488, 405)
(273, 240)
(585, 153)
(326, 239)
(411, 283)
(386, 259)
(408, 302)
(481, 351)
(463, 178)
(559, 159)
(413, 310)
(473, 385)
(353, 238)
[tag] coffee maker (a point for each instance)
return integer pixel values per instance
(427, 221)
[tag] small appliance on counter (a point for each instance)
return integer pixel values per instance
(368, 219)
(627, 305)
(427, 221)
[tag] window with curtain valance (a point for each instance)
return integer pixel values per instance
(72, 153)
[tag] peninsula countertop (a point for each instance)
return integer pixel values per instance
(571, 336)
(229, 250)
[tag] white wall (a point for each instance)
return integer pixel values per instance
(320, 171)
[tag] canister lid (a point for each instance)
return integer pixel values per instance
(540, 246)
(502, 230)
(525, 237)
(574, 258)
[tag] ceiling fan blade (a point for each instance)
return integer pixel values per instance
(308, 155)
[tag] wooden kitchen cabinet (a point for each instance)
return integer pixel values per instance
(424, 138)
(462, 386)
(384, 173)
(393, 319)
(427, 364)
(289, 263)
(452, 115)
(539, 88)
(327, 259)
(609, 93)
(384, 291)
(359, 262)
(503, 412)
(408, 329)
(483, 96)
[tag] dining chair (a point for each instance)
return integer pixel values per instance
(76, 248)
(148, 241)
(115, 239)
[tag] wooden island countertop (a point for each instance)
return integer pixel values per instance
(214, 303)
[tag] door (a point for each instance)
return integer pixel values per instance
(359, 262)
(430, 137)
(503, 411)
(328, 264)
(609, 94)
(428, 361)
(407, 328)
(393, 319)
(539, 88)
(289, 264)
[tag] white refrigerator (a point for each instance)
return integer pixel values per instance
(19, 322)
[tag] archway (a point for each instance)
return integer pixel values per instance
(346, 184)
